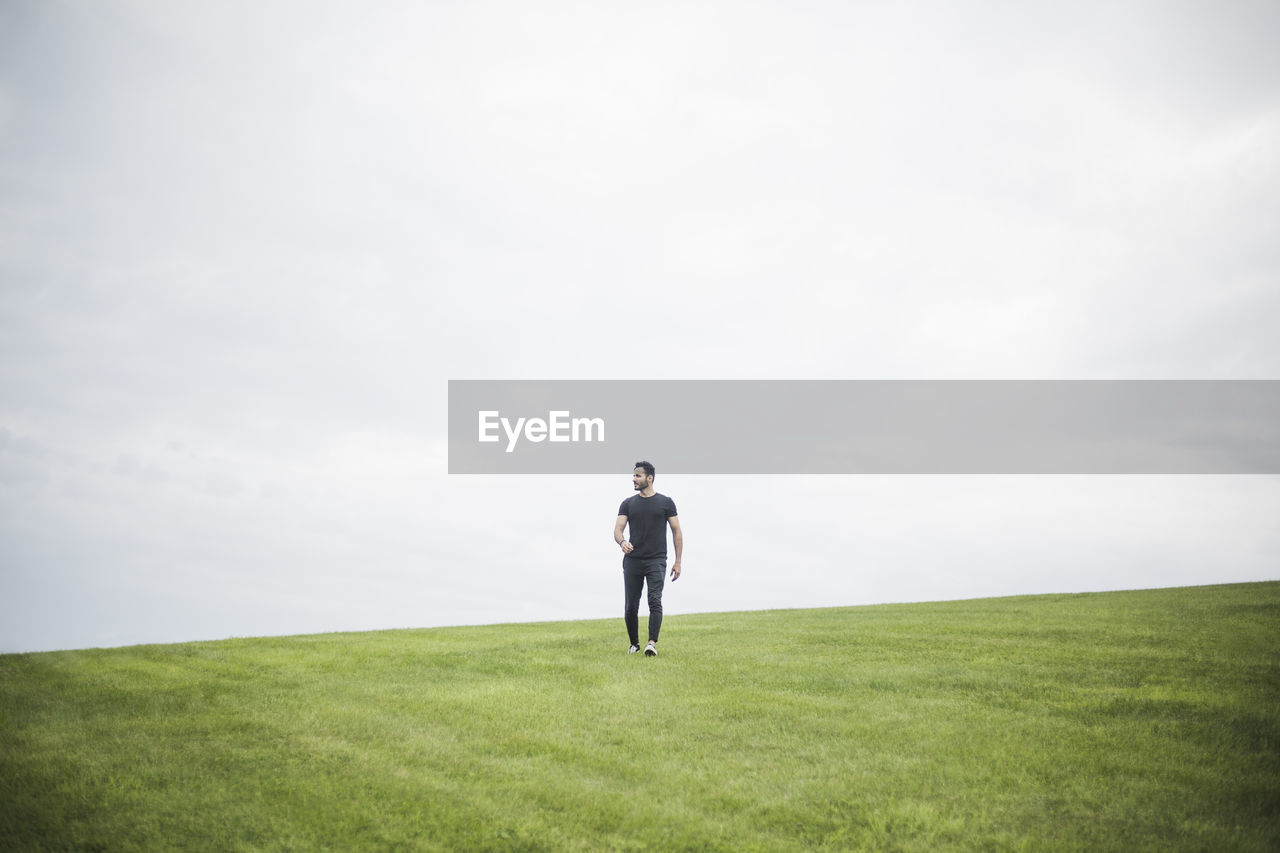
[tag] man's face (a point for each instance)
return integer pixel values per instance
(639, 479)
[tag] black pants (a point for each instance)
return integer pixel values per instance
(634, 575)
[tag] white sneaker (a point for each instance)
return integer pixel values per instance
(633, 650)
(652, 649)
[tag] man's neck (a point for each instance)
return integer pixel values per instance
(647, 492)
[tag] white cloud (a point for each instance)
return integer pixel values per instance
(243, 248)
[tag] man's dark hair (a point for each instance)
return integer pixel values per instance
(647, 466)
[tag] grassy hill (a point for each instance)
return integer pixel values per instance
(1123, 721)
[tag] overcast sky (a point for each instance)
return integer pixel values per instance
(243, 247)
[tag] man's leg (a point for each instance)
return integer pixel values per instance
(656, 580)
(632, 583)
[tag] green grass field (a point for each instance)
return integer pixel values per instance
(1113, 721)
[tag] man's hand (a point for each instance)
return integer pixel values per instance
(677, 538)
(627, 547)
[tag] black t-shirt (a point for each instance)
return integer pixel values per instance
(647, 518)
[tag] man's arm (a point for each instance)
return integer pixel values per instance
(678, 538)
(618, 537)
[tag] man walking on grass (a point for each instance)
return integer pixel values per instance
(644, 559)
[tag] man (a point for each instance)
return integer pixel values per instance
(644, 559)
